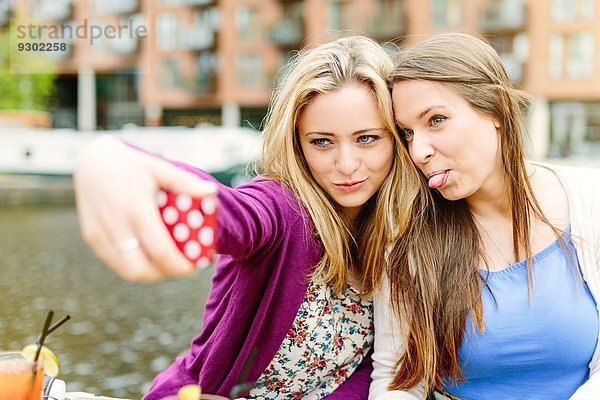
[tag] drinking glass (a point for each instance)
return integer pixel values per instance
(19, 379)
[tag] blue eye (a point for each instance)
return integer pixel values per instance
(320, 142)
(437, 120)
(366, 139)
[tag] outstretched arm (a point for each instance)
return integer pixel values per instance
(115, 189)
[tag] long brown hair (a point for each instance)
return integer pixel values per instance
(324, 69)
(434, 278)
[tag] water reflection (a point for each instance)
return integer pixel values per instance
(121, 334)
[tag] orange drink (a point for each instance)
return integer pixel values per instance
(18, 378)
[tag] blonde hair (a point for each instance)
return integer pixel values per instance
(324, 69)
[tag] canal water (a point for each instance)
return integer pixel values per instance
(121, 334)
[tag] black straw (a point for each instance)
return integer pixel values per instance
(47, 330)
(58, 324)
(42, 337)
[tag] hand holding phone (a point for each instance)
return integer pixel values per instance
(191, 223)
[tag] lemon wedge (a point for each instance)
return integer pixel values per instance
(189, 392)
(51, 367)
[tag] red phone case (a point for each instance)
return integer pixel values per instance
(192, 224)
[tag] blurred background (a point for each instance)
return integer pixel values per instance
(199, 72)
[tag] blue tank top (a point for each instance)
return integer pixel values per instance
(531, 350)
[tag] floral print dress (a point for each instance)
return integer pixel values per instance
(328, 340)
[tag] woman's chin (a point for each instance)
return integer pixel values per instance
(451, 194)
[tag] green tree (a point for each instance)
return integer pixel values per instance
(26, 78)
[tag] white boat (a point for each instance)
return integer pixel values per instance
(54, 152)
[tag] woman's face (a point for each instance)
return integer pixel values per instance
(455, 146)
(348, 150)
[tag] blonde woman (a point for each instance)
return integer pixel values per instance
(494, 289)
(301, 245)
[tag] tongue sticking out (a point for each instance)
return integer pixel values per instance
(437, 180)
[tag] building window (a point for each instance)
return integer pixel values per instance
(247, 21)
(119, 87)
(289, 29)
(388, 18)
(249, 70)
(117, 100)
(575, 129)
(114, 6)
(556, 56)
(587, 10)
(206, 65)
(170, 75)
(339, 15)
(4, 12)
(513, 50)
(573, 10)
(576, 50)
(580, 60)
(200, 34)
(167, 28)
(447, 13)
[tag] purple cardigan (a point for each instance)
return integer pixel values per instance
(268, 253)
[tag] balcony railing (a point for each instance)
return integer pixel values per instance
(198, 81)
(197, 2)
(176, 3)
(503, 15)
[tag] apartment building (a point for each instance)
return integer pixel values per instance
(550, 48)
(202, 61)
(207, 61)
